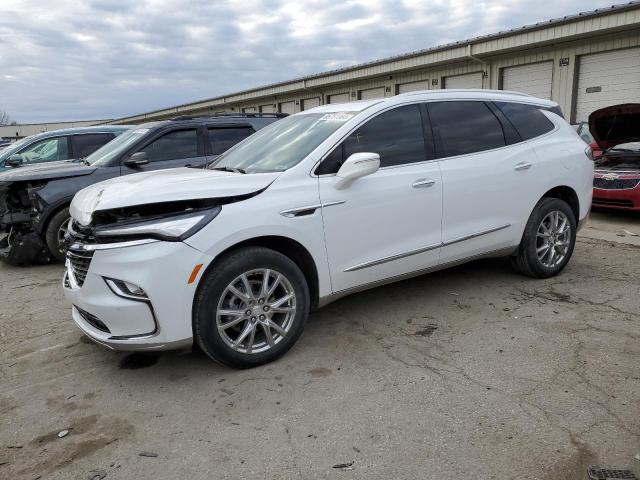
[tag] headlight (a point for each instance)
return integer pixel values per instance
(171, 228)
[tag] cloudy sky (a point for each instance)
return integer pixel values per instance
(91, 59)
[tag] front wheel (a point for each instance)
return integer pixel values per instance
(548, 241)
(55, 233)
(251, 308)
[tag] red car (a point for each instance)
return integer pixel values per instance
(616, 182)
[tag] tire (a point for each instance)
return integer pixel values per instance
(532, 259)
(56, 226)
(224, 290)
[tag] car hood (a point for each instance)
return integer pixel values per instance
(611, 126)
(46, 171)
(165, 186)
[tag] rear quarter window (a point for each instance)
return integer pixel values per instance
(464, 127)
(528, 120)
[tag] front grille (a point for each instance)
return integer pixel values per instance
(612, 202)
(80, 262)
(92, 320)
(615, 184)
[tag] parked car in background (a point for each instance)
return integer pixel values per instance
(4, 143)
(616, 182)
(326, 202)
(583, 130)
(36, 200)
(56, 145)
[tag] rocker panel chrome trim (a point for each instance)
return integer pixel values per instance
(398, 256)
(474, 235)
(380, 261)
(324, 301)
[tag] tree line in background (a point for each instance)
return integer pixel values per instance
(5, 119)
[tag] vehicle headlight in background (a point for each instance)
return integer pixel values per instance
(172, 228)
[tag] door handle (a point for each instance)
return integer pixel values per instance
(423, 183)
(522, 166)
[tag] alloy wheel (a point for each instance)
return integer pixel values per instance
(256, 311)
(62, 232)
(553, 239)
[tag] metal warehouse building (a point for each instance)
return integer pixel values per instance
(22, 130)
(583, 62)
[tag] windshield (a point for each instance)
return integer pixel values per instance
(103, 156)
(282, 144)
(14, 147)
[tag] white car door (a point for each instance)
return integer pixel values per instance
(488, 187)
(388, 223)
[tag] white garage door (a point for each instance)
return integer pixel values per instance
(310, 103)
(339, 98)
(287, 107)
(267, 108)
(413, 86)
(372, 93)
(534, 79)
(606, 79)
(468, 80)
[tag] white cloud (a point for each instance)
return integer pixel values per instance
(69, 59)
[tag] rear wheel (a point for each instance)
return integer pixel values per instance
(548, 241)
(251, 308)
(55, 233)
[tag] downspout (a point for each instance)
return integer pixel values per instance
(304, 87)
(470, 56)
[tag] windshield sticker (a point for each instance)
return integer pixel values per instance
(340, 117)
(141, 131)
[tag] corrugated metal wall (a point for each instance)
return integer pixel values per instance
(561, 44)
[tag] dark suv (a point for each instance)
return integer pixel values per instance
(34, 201)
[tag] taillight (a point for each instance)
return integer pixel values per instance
(589, 152)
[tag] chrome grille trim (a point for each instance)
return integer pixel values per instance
(78, 263)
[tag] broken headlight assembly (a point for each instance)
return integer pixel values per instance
(172, 228)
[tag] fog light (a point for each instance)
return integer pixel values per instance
(126, 289)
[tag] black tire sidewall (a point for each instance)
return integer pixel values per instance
(543, 208)
(212, 287)
(51, 233)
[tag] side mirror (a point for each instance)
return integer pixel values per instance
(356, 166)
(14, 160)
(137, 159)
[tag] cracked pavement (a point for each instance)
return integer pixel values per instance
(473, 372)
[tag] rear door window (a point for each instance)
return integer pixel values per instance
(222, 139)
(47, 150)
(528, 120)
(174, 145)
(464, 127)
(396, 135)
(84, 145)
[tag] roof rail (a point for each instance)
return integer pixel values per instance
(235, 115)
(477, 90)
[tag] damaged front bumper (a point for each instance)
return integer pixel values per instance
(19, 243)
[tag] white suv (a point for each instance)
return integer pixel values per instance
(318, 205)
